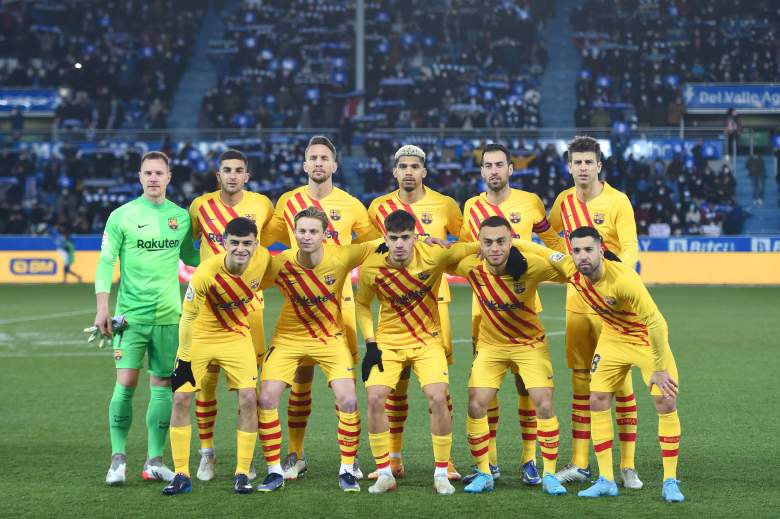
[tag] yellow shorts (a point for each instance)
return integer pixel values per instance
(350, 332)
(283, 357)
(237, 360)
(257, 331)
(582, 335)
(532, 363)
(446, 331)
(428, 363)
(614, 359)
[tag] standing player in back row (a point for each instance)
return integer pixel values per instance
(148, 235)
(597, 204)
(345, 215)
(435, 215)
(525, 213)
(210, 214)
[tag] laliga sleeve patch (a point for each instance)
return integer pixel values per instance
(556, 257)
(190, 294)
(104, 241)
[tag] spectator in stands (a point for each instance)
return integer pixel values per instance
(757, 173)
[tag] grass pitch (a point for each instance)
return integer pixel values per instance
(54, 445)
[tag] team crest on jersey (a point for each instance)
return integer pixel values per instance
(519, 287)
(423, 275)
(611, 301)
(514, 218)
(330, 279)
(117, 355)
(173, 223)
(426, 218)
(255, 284)
(556, 257)
(598, 218)
(335, 215)
(250, 216)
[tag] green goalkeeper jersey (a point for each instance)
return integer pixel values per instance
(148, 239)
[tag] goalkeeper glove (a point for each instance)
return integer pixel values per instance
(516, 264)
(373, 357)
(182, 374)
(118, 325)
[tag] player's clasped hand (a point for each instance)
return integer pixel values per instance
(665, 383)
(106, 331)
(373, 357)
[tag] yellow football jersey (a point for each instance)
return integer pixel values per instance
(509, 316)
(408, 306)
(216, 305)
(610, 213)
(311, 311)
(435, 215)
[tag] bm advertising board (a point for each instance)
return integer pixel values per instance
(732, 260)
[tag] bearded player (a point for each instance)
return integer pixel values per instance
(346, 215)
(210, 214)
(594, 203)
(435, 215)
(526, 215)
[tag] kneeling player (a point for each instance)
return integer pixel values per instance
(510, 336)
(215, 330)
(405, 281)
(311, 328)
(634, 333)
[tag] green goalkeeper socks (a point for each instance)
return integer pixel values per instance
(158, 419)
(120, 416)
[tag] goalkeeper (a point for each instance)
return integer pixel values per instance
(148, 235)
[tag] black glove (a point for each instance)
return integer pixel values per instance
(182, 374)
(611, 256)
(382, 248)
(516, 264)
(373, 357)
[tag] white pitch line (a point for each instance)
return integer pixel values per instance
(44, 317)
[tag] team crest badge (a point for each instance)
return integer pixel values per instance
(519, 287)
(330, 279)
(598, 218)
(335, 215)
(173, 223)
(255, 284)
(250, 216)
(611, 301)
(514, 218)
(426, 218)
(423, 276)
(117, 355)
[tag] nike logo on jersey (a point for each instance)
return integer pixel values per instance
(142, 226)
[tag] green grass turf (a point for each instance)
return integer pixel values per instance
(54, 445)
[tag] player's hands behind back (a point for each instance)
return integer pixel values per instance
(373, 357)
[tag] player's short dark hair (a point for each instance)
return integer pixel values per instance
(316, 214)
(494, 146)
(233, 154)
(587, 231)
(156, 155)
(583, 144)
(495, 221)
(399, 221)
(240, 226)
(321, 139)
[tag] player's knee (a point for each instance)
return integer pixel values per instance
(376, 400)
(268, 400)
(599, 401)
(665, 405)
(544, 407)
(347, 403)
(437, 400)
(182, 402)
(247, 400)
(477, 409)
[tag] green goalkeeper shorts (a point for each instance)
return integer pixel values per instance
(160, 341)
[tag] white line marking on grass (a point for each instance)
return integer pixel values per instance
(33, 318)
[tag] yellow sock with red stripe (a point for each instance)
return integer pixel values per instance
(669, 436)
(478, 434)
(548, 432)
(349, 436)
(492, 419)
(442, 448)
(180, 448)
(396, 409)
(245, 451)
(298, 411)
(601, 432)
(527, 415)
(625, 411)
(270, 432)
(206, 409)
(580, 419)
(380, 449)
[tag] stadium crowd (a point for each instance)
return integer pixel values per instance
(116, 63)
(638, 54)
(429, 64)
